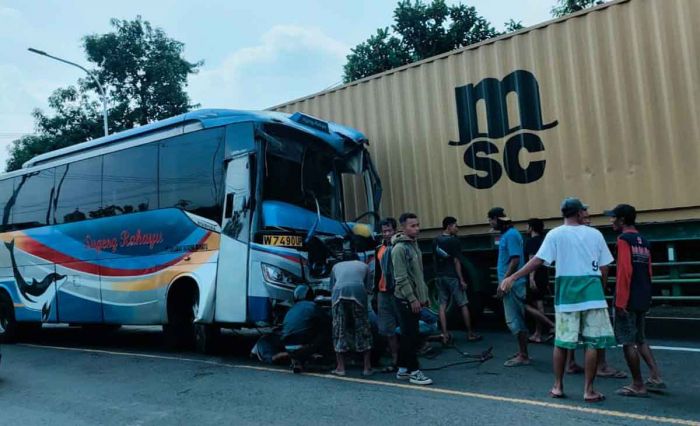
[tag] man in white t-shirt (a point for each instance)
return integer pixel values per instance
(579, 303)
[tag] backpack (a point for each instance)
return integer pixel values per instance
(388, 269)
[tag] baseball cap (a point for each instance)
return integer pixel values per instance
(498, 213)
(625, 211)
(572, 205)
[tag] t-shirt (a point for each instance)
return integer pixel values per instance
(446, 249)
(633, 283)
(532, 245)
(303, 318)
(510, 245)
(579, 252)
(350, 281)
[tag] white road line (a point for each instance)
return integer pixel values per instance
(518, 401)
(675, 348)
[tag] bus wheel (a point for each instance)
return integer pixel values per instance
(183, 302)
(206, 337)
(8, 324)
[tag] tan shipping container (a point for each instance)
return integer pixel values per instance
(603, 105)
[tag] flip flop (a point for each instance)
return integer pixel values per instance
(576, 370)
(629, 391)
(389, 369)
(598, 398)
(617, 374)
(557, 395)
(367, 373)
(654, 386)
(474, 338)
(338, 373)
(513, 362)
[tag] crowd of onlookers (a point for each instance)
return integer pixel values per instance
(391, 304)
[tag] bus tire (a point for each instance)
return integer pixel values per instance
(7, 319)
(183, 302)
(206, 337)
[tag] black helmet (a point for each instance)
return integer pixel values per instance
(303, 292)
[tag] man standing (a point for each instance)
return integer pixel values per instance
(411, 294)
(539, 283)
(633, 299)
(510, 259)
(387, 314)
(450, 278)
(580, 252)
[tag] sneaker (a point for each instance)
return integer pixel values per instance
(403, 374)
(418, 378)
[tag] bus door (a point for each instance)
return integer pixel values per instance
(232, 274)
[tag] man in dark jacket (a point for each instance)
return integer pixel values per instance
(633, 300)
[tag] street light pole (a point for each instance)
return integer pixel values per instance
(92, 76)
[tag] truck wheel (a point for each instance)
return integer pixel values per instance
(8, 324)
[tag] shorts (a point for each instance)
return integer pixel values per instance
(629, 327)
(514, 308)
(351, 330)
(387, 315)
(449, 288)
(590, 329)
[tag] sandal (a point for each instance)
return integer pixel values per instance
(515, 362)
(338, 373)
(616, 374)
(598, 398)
(629, 391)
(557, 395)
(655, 386)
(367, 373)
(389, 369)
(474, 338)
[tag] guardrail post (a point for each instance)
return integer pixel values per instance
(674, 272)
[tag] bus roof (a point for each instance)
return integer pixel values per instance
(336, 135)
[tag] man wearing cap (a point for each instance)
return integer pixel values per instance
(580, 252)
(633, 300)
(510, 259)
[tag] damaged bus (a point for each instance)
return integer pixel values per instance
(198, 222)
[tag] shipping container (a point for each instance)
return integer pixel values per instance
(603, 104)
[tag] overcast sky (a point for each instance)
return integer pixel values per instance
(256, 54)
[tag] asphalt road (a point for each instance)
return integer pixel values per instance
(65, 376)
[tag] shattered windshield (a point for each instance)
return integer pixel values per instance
(302, 173)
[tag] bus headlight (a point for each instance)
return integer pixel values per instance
(276, 275)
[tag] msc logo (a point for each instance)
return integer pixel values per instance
(479, 153)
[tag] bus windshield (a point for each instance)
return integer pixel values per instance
(303, 174)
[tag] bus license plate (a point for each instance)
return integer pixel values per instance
(283, 240)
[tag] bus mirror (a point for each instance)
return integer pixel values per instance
(228, 213)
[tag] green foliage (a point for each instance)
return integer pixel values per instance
(565, 7)
(144, 74)
(420, 30)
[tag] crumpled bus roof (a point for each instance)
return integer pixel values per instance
(341, 138)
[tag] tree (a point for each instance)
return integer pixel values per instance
(144, 74)
(420, 30)
(565, 7)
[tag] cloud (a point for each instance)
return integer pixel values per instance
(289, 62)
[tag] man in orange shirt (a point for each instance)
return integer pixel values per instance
(387, 315)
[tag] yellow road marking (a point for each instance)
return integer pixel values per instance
(427, 389)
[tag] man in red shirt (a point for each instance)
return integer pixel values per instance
(633, 300)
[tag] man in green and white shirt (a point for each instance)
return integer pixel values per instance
(579, 253)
